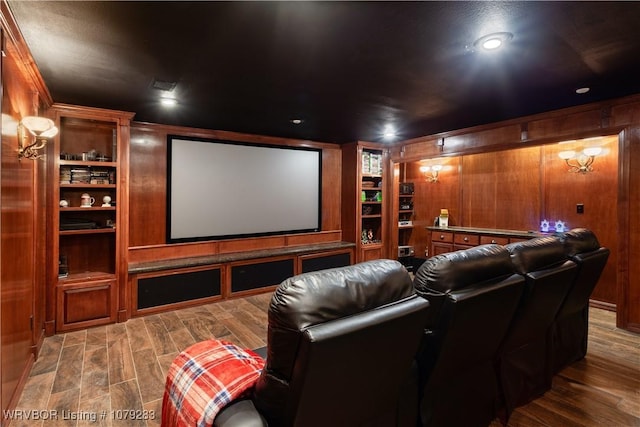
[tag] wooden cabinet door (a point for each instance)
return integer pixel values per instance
(438, 248)
(81, 305)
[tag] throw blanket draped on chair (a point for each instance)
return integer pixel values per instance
(204, 378)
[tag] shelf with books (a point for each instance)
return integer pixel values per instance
(85, 242)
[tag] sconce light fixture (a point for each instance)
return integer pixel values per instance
(431, 172)
(582, 161)
(33, 134)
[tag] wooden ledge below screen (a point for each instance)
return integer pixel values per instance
(151, 266)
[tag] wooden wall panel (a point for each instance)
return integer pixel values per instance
(566, 124)
(518, 188)
(416, 150)
(314, 238)
(348, 186)
(598, 192)
(625, 114)
(331, 195)
(19, 244)
(616, 214)
(478, 191)
(147, 186)
(430, 197)
(477, 139)
(501, 189)
(482, 140)
(629, 286)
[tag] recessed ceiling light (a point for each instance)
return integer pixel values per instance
(493, 41)
(389, 132)
(582, 90)
(168, 102)
(296, 121)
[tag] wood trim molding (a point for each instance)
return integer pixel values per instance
(232, 136)
(123, 118)
(624, 231)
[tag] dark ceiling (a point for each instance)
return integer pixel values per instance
(345, 68)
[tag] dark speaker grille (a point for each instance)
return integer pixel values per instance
(155, 291)
(324, 262)
(253, 276)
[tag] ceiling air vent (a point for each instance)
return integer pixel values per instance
(163, 85)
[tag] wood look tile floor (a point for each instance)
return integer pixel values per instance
(100, 375)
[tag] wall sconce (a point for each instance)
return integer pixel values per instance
(431, 172)
(33, 134)
(583, 160)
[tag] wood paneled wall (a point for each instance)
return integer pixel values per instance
(516, 189)
(629, 219)
(509, 175)
(22, 227)
(597, 191)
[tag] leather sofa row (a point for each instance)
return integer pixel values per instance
(475, 334)
(503, 321)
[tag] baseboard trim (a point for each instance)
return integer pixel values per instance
(603, 305)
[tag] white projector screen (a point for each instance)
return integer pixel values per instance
(222, 189)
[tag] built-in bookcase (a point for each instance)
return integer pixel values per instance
(364, 195)
(85, 243)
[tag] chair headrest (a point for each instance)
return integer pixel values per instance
(457, 270)
(320, 296)
(536, 254)
(579, 240)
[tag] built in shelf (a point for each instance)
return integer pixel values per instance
(88, 163)
(93, 208)
(86, 276)
(87, 231)
(87, 185)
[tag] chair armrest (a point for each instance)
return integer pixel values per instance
(240, 414)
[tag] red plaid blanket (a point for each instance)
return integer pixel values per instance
(203, 379)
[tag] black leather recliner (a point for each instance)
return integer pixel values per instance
(524, 367)
(341, 343)
(571, 326)
(473, 295)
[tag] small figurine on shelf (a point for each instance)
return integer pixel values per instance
(106, 202)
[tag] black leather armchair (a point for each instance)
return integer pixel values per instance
(341, 343)
(473, 294)
(571, 326)
(524, 367)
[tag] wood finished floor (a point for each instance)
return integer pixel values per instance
(122, 367)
